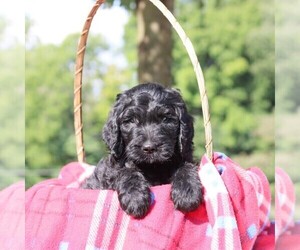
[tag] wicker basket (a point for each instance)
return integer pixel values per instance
(79, 71)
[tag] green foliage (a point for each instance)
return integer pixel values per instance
(288, 92)
(235, 45)
(287, 57)
(49, 101)
(12, 129)
(48, 106)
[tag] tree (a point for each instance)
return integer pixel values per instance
(154, 41)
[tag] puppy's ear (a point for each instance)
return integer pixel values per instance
(111, 131)
(186, 130)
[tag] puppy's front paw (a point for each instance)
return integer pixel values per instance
(133, 192)
(136, 203)
(186, 196)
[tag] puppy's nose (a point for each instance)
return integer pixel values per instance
(149, 147)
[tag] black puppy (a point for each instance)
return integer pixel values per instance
(149, 134)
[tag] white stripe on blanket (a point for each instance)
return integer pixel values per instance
(111, 221)
(122, 233)
(96, 220)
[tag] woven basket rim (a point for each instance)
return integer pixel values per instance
(78, 123)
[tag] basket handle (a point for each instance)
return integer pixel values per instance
(78, 124)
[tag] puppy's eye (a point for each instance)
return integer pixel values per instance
(130, 120)
(168, 119)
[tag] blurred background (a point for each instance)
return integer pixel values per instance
(288, 93)
(131, 42)
(12, 94)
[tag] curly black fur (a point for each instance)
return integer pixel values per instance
(149, 134)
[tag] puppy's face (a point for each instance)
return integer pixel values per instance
(149, 128)
(149, 124)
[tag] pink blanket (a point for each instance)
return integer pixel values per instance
(287, 231)
(12, 217)
(285, 202)
(235, 213)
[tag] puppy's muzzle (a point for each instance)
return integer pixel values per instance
(149, 147)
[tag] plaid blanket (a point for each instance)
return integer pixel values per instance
(287, 231)
(285, 202)
(12, 217)
(59, 215)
